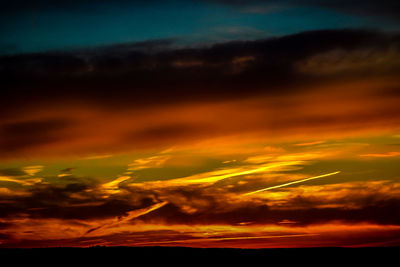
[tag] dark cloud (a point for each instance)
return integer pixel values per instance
(60, 201)
(149, 46)
(113, 77)
(206, 205)
(385, 8)
(4, 225)
(193, 205)
(12, 172)
(165, 134)
(379, 213)
(18, 136)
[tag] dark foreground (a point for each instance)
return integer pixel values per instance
(134, 256)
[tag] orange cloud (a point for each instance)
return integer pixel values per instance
(321, 112)
(381, 155)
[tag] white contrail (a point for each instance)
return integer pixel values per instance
(131, 215)
(213, 239)
(290, 183)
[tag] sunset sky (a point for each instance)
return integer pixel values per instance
(200, 123)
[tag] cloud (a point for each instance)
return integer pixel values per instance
(152, 136)
(131, 215)
(98, 157)
(12, 172)
(210, 199)
(291, 183)
(381, 155)
(222, 115)
(311, 143)
(149, 162)
(74, 198)
(78, 74)
(379, 212)
(19, 136)
(384, 9)
(109, 100)
(228, 33)
(32, 170)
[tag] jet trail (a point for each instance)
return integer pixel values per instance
(201, 240)
(290, 183)
(131, 215)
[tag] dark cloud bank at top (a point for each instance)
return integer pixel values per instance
(156, 72)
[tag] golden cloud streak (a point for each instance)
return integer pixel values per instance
(114, 183)
(25, 182)
(311, 143)
(214, 176)
(382, 155)
(217, 178)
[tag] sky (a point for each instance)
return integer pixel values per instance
(201, 123)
